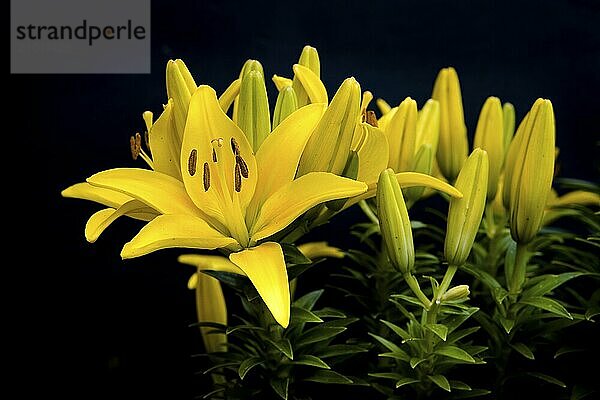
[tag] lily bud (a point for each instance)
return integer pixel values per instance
(249, 65)
(529, 171)
(394, 222)
(456, 293)
(453, 145)
(328, 147)
(286, 104)
(423, 163)
(428, 125)
(489, 135)
(508, 112)
(210, 307)
(309, 58)
(180, 87)
(401, 134)
(464, 214)
(383, 106)
(253, 115)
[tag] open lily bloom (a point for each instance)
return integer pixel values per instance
(229, 198)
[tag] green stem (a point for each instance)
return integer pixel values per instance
(432, 313)
(368, 212)
(490, 222)
(413, 284)
(516, 280)
(446, 280)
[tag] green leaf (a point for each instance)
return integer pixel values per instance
(409, 299)
(549, 283)
(387, 375)
(282, 345)
(280, 386)
(452, 323)
(522, 349)
(232, 329)
(318, 334)
(459, 385)
(386, 343)
(471, 393)
(301, 315)
(460, 334)
(415, 361)
(440, 330)
(248, 364)
(295, 270)
(340, 350)
(310, 360)
(580, 392)
(506, 323)
(441, 381)
(235, 281)
(309, 299)
(294, 256)
(398, 355)
(329, 376)
(396, 329)
(454, 352)
(328, 312)
(547, 378)
(406, 381)
(566, 350)
(547, 304)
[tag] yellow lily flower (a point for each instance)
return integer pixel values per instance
(229, 198)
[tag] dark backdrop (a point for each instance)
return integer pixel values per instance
(99, 327)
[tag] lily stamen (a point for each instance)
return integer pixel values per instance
(192, 162)
(206, 177)
(135, 143)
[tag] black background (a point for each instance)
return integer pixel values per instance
(99, 327)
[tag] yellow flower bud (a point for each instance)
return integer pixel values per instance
(401, 135)
(286, 104)
(253, 116)
(453, 145)
(423, 163)
(394, 222)
(328, 147)
(309, 58)
(180, 87)
(428, 125)
(249, 65)
(456, 293)
(489, 135)
(529, 171)
(210, 307)
(464, 214)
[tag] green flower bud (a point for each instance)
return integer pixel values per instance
(249, 65)
(401, 134)
(464, 214)
(508, 112)
(456, 293)
(309, 58)
(453, 145)
(253, 116)
(529, 171)
(328, 147)
(394, 222)
(286, 104)
(489, 135)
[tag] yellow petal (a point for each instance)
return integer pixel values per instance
(211, 307)
(206, 123)
(372, 147)
(100, 220)
(170, 231)
(278, 156)
(205, 262)
(383, 106)
(401, 133)
(180, 86)
(165, 143)
(228, 96)
(298, 196)
(312, 84)
(406, 180)
(107, 197)
(159, 191)
(383, 121)
(281, 82)
(265, 267)
(314, 250)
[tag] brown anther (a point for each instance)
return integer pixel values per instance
(238, 178)
(147, 139)
(371, 118)
(135, 143)
(192, 162)
(234, 147)
(214, 155)
(206, 177)
(239, 161)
